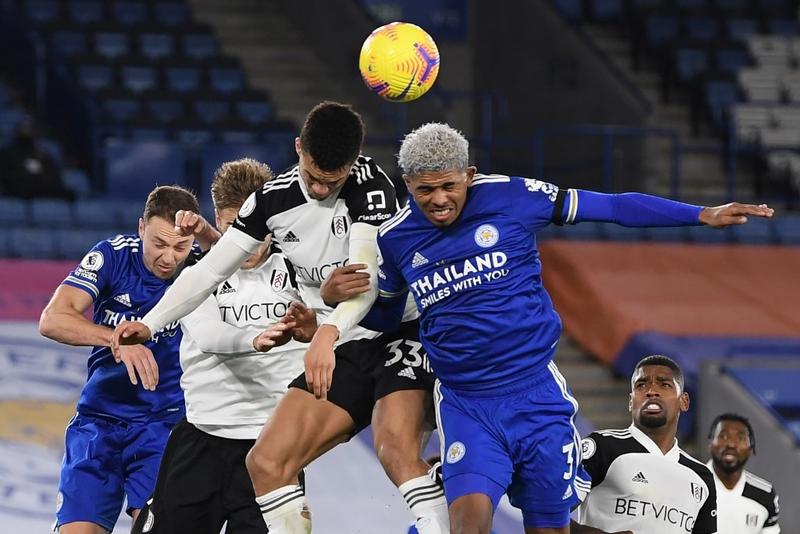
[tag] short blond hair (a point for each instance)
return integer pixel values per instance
(236, 180)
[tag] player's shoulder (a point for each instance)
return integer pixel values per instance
(366, 175)
(693, 464)
(115, 249)
(757, 484)
(283, 192)
(610, 442)
(391, 228)
(490, 183)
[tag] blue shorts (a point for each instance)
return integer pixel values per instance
(521, 442)
(106, 460)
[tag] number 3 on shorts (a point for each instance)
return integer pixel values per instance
(567, 449)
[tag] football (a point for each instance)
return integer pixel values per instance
(399, 62)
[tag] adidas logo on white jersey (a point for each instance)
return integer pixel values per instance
(124, 299)
(418, 260)
(227, 288)
(408, 372)
(290, 238)
(640, 478)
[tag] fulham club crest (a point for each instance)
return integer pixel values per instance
(279, 279)
(339, 226)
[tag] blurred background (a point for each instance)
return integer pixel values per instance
(697, 100)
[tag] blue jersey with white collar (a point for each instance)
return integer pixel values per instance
(486, 319)
(113, 273)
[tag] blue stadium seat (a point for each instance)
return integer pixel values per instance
(112, 43)
(606, 10)
(757, 231)
(94, 73)
(77, 180)
(660, 29)
(72, 243)
(731, 59)
(131, 211)
(156, 45)
(702, 28)
(129, 13)
(13, 212)
(171, 13)
(147, 128)
(571, 10)
(193, 133)
(789, 27)
(199, 43)
(211, 110)
(776, 387)
(183, 77)
(51, 213)
(668, 234)
(121, 105)
(69, 42)
(226, 76)
(787, 229)
(720, 96)
(237, 132)
(215, 154)
(86, 11)
(43, 11)
(133, 168)
(689, 62)
(164, 107)
(36, 243)
(254, 108)
(96, 212)
(740, 29)
(139, 76)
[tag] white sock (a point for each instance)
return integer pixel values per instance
(426, 499)
(283, 510)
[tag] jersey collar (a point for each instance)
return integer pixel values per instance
(673, 454)
(736, 490)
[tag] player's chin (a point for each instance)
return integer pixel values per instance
(652, 420)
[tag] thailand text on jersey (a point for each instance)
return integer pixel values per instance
(486, 319)
(635, 486)
(237, 393)
(113, 273)
(314, 234)
(750, 507)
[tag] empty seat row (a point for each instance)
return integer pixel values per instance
(195, 42)
(40, 243)
(129, 12)
(223, 75)
(57, 213)
(764, 85)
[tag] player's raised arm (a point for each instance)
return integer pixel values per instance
(190, 223)
(190, 289)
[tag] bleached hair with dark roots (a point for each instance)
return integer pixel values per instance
(433, 147)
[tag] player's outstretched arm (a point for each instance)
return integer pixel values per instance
(139, 360)
(640, 210)
(344, 283)
(205, 327)
(191, 288)
(190, 223)
(63, 319)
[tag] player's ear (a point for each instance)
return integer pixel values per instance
(471, 170)
(217, 222)
(407, 180)
(630, 402)
(683, 402)
(297, 147)
(141, 228)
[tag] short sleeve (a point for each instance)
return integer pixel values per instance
(535, 203)
(706, 522)
(391, 283)
(95, 271)
(370, 196)
(773, 512)
(595, 458)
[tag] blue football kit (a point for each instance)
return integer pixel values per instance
(505, 412)
(115, 441)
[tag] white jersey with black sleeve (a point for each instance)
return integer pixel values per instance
(314, 234)
(229, 387)
(750, 507)
(637, 487)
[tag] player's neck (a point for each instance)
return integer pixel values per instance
(729, 480)
(663, 437)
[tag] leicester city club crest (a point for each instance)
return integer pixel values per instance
(486, 235)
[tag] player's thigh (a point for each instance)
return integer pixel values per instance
(187, 493)
(475, 458)
(301, 429)
(401, 417)
(91, 483)
(141, 458)
(471, 514)
(238, 498)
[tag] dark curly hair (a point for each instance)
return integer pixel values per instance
(332, 135)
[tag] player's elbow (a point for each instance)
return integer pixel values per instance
(48, 323)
